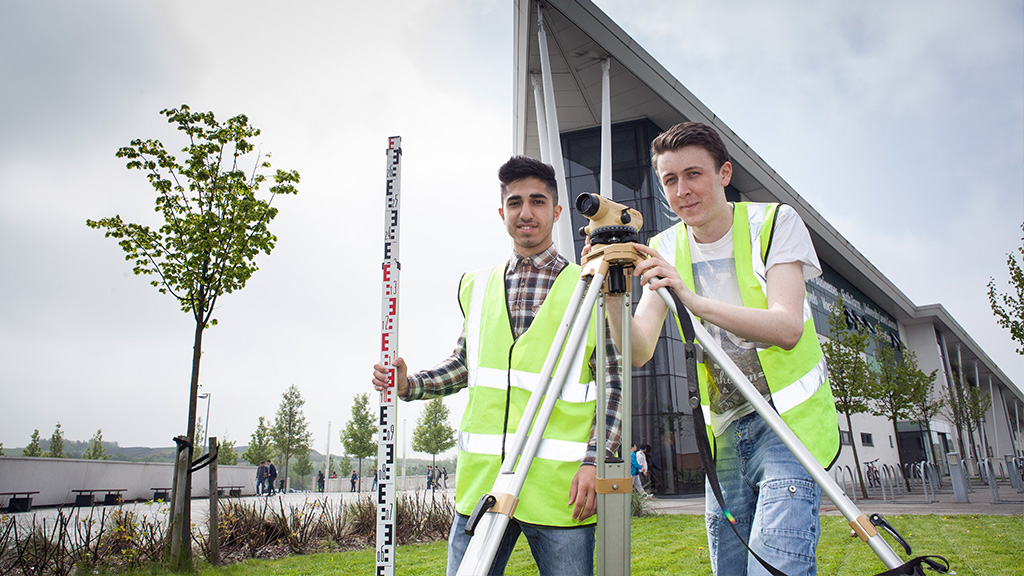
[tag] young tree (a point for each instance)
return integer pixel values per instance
(198, 436)
(433, 435)
(955, 406)
(848, 372)
(977, 404)
(56, 443)
(33, 450)
(260, 447)
(899, 386)
(357, 436)
(342, 465)
(924, 411)
(303, 469)
(1009, 309)
(291, 431)
(226, 454)
(213, 228)
(95, 450)
(2, 449)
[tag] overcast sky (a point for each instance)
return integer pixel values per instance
(902, 123)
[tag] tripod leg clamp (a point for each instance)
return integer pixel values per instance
(504, 504)
(614, 485)
(863, 528)
(496, 503)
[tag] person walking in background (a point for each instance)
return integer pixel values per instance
(271, 477)
(352, 481)
(648, 465)
(261, 477)
(320, 481)
(636, 469)
(641, 459)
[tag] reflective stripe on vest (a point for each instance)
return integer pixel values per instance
(502, 374)
(550, 449)
(797, 378)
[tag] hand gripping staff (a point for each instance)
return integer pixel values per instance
(613, 228)
(388, 356)
(863, 526)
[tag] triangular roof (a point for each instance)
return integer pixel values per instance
(579, 36)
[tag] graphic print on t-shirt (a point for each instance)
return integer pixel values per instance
(716, 279)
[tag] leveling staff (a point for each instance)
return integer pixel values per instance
(512, 314)
(740, 268)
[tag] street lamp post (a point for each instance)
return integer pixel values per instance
(206, 428)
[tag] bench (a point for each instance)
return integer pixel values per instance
(233, 491)
(161, 494)
(112, 496)
(20, 501)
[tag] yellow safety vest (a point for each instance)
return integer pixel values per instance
(502, 373)
(797, 378)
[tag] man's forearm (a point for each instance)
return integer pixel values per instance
(643, 335)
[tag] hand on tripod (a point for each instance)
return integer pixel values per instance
(655, 272)
(583, 493)
(382, 376)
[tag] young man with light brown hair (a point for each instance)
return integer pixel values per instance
(740, 268)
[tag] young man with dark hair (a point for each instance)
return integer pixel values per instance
(740, 268)
(261, 477)
(512, 312)
(271, 477)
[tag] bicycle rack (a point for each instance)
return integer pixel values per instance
(934, 476)
(923, 470)
(887, 476)
(840, 475)
(990, 475)
(1013, 469)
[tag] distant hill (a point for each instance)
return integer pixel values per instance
(118, 453)
(75, 449)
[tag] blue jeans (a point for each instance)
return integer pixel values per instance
(773, 499)
(557, 551)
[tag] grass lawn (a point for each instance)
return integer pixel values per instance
(677, 545)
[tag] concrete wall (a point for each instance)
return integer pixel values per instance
(881, 431)
(55, 478)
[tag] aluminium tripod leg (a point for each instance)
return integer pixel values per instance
(491, 516)
(858, 521)
(615, 487)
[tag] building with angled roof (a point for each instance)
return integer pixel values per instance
(644, 100)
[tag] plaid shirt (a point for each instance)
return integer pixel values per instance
(527, 282)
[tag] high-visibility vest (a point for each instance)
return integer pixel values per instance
(797, 378)
(502, 373)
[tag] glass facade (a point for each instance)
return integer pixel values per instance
(661, 413)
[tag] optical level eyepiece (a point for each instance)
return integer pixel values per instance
(610, 222)
(588, 204)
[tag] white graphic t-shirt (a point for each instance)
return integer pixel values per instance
(714, 276)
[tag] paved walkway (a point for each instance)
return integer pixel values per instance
(1011, 503)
